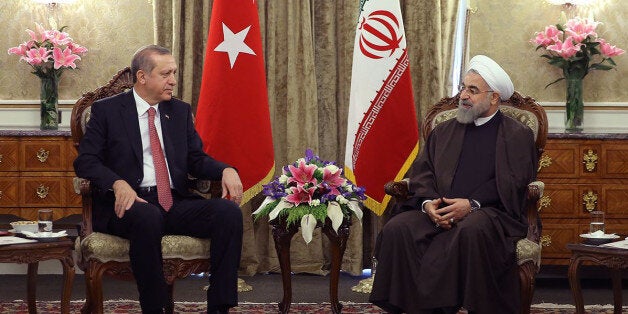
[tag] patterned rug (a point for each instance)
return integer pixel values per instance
(127, 306)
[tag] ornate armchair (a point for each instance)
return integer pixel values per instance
(104, 254)
(531, 114)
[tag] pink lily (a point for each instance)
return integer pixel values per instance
(565, 49)
(547, 37)
(19, 50)
(303, 174)
(332, 177)
(580, 29)
(76, 48)
(300, 195)
(37, 56)
(58, 38)
(64, 58)
(608, 49)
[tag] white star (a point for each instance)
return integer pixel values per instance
(233, 44)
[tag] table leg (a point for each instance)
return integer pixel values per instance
(31, 289)
(574, 282)
(282, 238)
(68, 279)
(617, 291)
(338, 245)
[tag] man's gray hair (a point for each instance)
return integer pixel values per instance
(142, 59)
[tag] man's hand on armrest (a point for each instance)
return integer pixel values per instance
(231, 185)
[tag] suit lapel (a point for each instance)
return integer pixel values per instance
(132, 125)
(165, 113)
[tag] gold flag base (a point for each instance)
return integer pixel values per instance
(364, 286)
(242, 286)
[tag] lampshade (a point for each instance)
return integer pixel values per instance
(53, 1)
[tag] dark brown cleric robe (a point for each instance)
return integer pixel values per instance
(422, 267)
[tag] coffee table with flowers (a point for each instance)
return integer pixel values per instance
(310, 193)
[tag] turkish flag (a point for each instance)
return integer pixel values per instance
(382, 130)
(232, 116)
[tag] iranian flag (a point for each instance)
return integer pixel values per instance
(382, 131)
(232, 117)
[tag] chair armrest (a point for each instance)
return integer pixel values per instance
(205, 188)
(397, 189)
(83, 188)
(534, 193)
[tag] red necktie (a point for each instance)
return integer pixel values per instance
(161, 172)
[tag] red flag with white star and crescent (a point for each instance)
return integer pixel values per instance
(382, 129)
(232, 116)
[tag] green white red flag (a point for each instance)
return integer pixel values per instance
(382, 130)
(232, 116)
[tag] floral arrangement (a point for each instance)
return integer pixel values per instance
(49, 52)
(308, 191)
(573, 47)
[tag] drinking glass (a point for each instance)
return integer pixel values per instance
(597, 221)
(44, 220)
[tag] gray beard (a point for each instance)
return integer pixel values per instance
(465, 116)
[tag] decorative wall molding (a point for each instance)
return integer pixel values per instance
(598, 117)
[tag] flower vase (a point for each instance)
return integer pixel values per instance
(49, 97)
(574, 108)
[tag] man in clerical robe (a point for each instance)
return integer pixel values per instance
(452, 244)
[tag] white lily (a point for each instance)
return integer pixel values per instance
(335, 215)
(282, 204)
(308, 224)
(355, 207)
(266, 201)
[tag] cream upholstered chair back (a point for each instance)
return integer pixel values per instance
(523, 109)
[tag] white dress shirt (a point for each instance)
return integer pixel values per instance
(147, 156)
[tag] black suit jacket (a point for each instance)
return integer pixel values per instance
(112, 150)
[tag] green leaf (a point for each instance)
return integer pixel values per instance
(556, 81)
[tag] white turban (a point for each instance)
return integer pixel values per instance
(493, 74)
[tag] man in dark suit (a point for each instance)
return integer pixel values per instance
(138, 149)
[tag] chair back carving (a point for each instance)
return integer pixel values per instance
(523, 109)
(81, 112)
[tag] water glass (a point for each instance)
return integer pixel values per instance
(44, 220)
(597, 221)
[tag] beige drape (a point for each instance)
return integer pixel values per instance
(308, 53)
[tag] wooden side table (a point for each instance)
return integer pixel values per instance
(282, 234)
(33, 253)
(613, 258)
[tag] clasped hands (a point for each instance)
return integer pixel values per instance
(452, 211)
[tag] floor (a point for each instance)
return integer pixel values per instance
(306, 288)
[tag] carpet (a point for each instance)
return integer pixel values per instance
(127, 306)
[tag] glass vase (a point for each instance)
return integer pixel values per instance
(574, 107)
(49, 97)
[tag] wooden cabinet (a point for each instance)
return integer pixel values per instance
(36, 172)
(582, 173)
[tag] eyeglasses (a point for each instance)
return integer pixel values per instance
(472, 90)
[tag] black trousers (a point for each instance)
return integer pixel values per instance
(144, 224)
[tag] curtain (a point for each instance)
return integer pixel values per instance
(308, 46)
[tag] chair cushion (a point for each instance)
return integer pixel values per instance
(528, 251)
(105, 247)
(527, 118)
